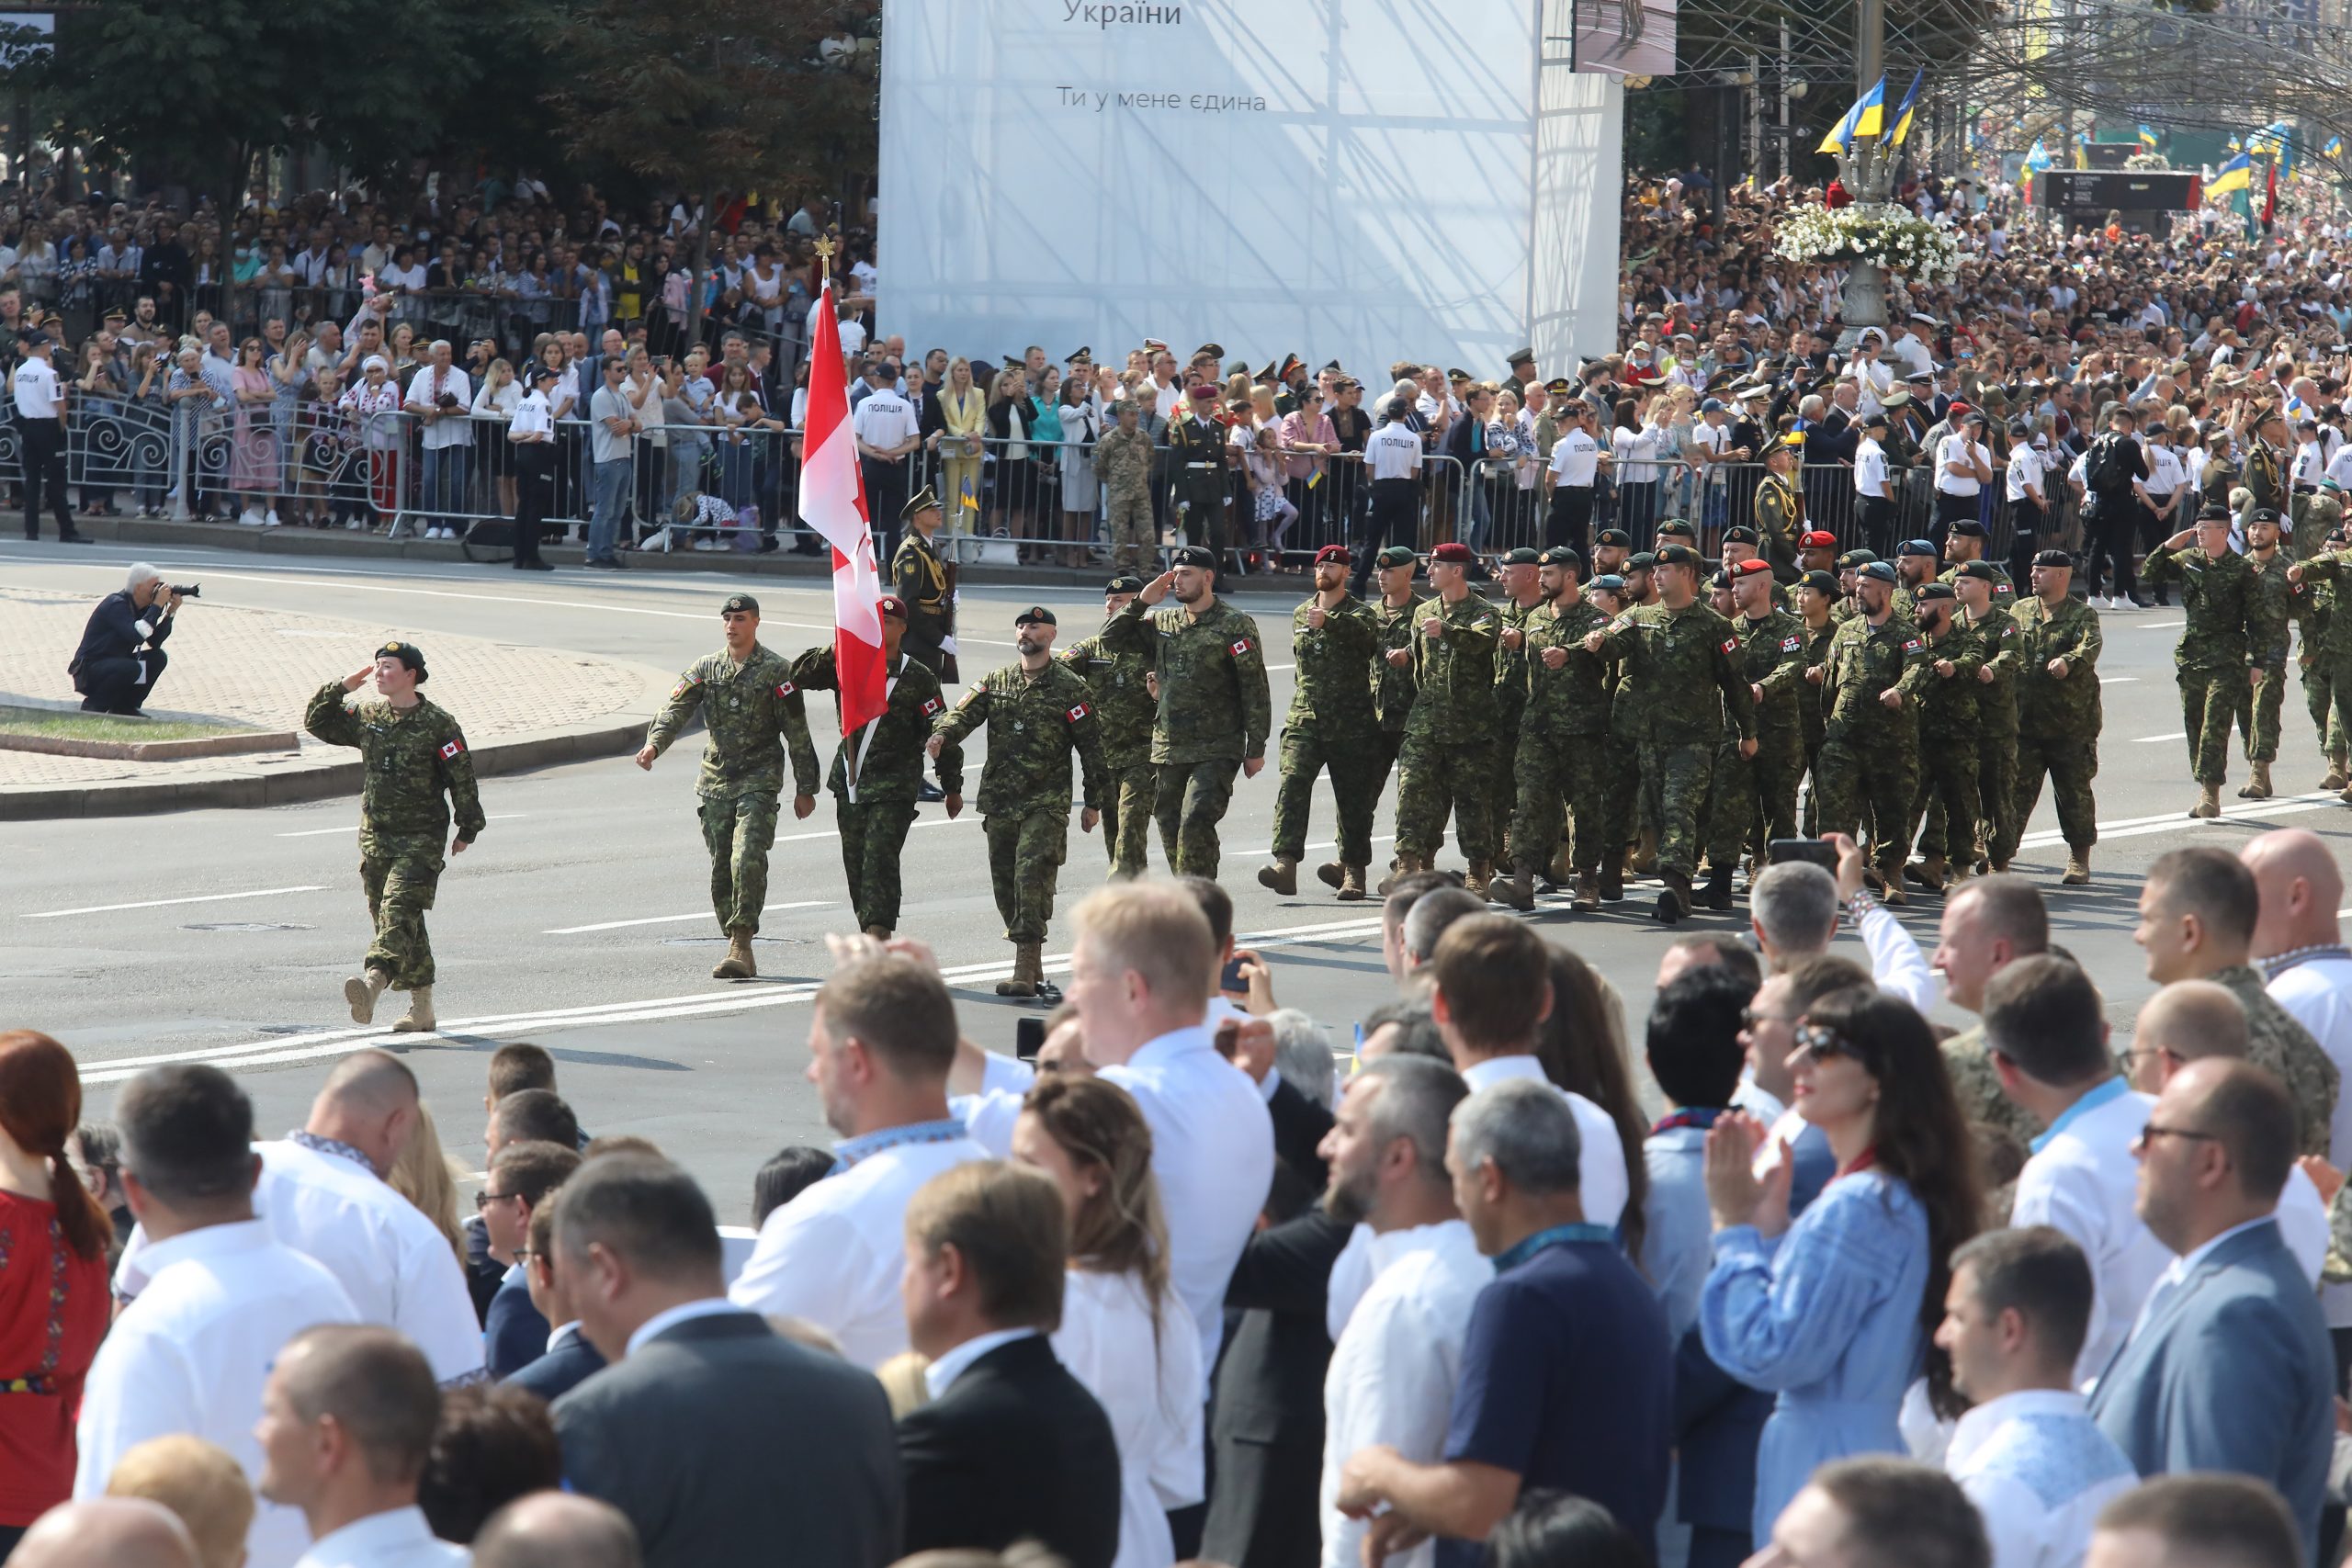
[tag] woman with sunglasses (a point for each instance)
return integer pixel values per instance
(1835, 1314)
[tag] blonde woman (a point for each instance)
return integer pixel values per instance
(964, 410)
(494, 403)
(427, 1178)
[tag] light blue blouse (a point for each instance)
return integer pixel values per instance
(1828, 1318)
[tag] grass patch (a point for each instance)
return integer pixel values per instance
(70, 725)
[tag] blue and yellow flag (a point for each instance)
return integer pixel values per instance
(2235, 175)
(1903, 113)
(1863, 119)
(2335, 148)
(2147, 139)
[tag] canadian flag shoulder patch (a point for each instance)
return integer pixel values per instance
(1789, 645)
(1731, 644)
(1239, 645)
(931, 705)
(451, 749)
(1081, 711)
(1914, 646)
(786, 688)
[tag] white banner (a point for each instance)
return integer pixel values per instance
(1342, 179)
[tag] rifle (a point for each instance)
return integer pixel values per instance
(948, 673)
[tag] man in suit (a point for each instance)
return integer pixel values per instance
(520, 1178)
(566, 1360)
(722, 1441)
(1011, 1447)
(2229, 1366)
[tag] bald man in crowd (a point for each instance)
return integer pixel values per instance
(107, 1533)
(557, 1529)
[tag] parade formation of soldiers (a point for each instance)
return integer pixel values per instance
(1642, 714)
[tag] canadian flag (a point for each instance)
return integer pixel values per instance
(833, 501)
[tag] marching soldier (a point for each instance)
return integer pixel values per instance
(1522, 596)
(2058, 708)
(2328, 675)
(2315, 528)
(1817, 600)
(1335, 640)
(1677, 648)
(922, 582)
(1966, 542)
(877, 772)
(2211, 663)
(414, 754)
(1621, 775)
(1040, 713)
(1396, 611)
(1914, 568)
(1450, 735)
(2271, 601)
(1562, 738)
(1870, 751)
(1124, 709)
(1950, 732)
(1122, 462)
(1763, 790)
(1197, 460)
(752, 706)
(1780, 511)
(2000, 642)
(1209, 675)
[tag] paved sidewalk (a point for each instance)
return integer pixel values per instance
(521, 706)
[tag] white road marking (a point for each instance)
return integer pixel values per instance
(2118, 680)
(2158, 625)
(672, 919)
(2176, 821)
(159, 903)
(354, 826)
(2152, 740)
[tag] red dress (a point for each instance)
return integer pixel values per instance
(53, 1312)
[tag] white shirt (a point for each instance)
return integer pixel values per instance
(1147, 1377)
(1600, 1169)
(1870, 469)
(393, 1263)
(1959, 448)
(34, 386)
(2039, 1470)
(2082, 1180)
(1916, 358)
(1393, 1371)
(531, 417)
(2311, 462)
(884, 420)
(1393, 452)
(398, 1537)
(2165, 472)
(2339, 468)
(2026, 468)
(2317, 994)
(1212, 1149)
(939, 1376)
(1575, 458)
(192, 1352)
(425, 391)
(835, 1254)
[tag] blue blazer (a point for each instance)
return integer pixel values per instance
(560, 1370)
(514, 1333)
(2234, 1371)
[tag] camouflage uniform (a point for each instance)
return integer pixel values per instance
(873, 825)
(1952, 738)
(2270, 605)
(1870, 757)
(2327, 650)
(1122, 462)
(2316, 523)
(1451, 734)
(1035, 722)
(1563, 736)
(1123, 708)
(2211, 662)
(2058, 721)
(920, 580)
(1622, 759)
(1676, 655)
(1996, 735)
(1330, 725)
(753, 713)
(1977, 1088)
(411, 756)
(1813, 716)
(1510, 702)
(1214, 711)
(1760, 793)
(1392, 685)
(2276, 1041)
(2005, 592)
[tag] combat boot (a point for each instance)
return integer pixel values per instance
(1478, 878)
(737, 965)
(1351, 885)
(1961, 872)
(1518, 889)
(2209, 801)
(2335, 779)
(2259, 786)
(1588, 896)
(1334, 874)
(1674, 899)
(1610, 884)
(2000, 867)
(1716, 895)
(1560, 871)
(1892, 895)
(1025, 967)
(1928, 872)
(2078, 869)
(1402, 867)
(418, 1020)
(1645, 854)
(1282, 876)
(880, 933)
(361, 992)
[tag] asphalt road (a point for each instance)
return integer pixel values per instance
(581, 918)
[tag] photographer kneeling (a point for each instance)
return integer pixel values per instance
(122, 655)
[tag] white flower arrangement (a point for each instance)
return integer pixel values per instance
(1893, 237)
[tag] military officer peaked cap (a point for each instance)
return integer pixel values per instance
(924, 499)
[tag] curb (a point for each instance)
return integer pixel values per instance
(522, 754)
(153, 750)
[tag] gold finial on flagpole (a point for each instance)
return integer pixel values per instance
(825, 248)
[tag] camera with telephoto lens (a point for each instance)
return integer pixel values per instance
(193, 591)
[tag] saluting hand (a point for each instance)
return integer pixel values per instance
(359, 677)
(1157, 589)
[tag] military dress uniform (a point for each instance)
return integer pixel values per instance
(1760, 794)
(1330, 725)
(2211, 661)
(411, 758)
(1562, 748)
(753, 712)
(1197, 481)
(1124, 710)
(1122, 462)
(2266, 480)
(920, 580)
(1779, 514)
(1870, 756)
(1676, 656)
(2059, 721)
(1035, 723)
(875, 815)
(1449, 740)
(1214, 711)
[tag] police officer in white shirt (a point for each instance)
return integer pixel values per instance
(40, 422)
(2029, 492)
(886, 430)
(1392, 458)
(530, 432)
(1576, 457)
(1870, 487)
(1963, 467)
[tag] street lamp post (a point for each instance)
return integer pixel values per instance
(1864, 172)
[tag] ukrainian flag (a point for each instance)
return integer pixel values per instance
(2335, 148)
(1903, 113)
(2147, 139)
(1863, 119)
(2235, 175)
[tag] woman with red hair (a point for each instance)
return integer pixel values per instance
(53, 1298)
